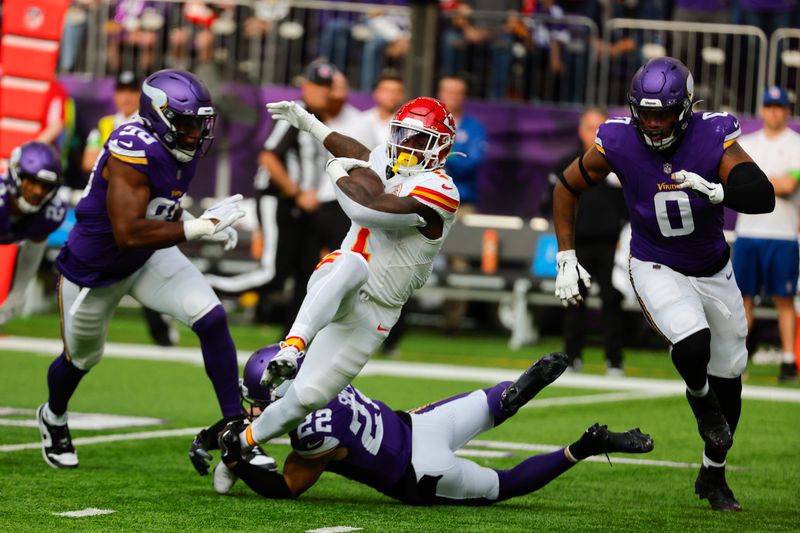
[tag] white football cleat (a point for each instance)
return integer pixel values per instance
(260, 458)
(224, 478)
(282, 367)
(57, 449)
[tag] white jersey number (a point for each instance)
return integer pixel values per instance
(680, 198)
(366, 421)
(162, 208)
(318, 421)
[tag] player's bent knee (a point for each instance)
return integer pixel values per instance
(199, 306)
(691, 355)
(311, 397)
(355, 267)
(86, 362)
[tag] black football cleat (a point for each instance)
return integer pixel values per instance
(788, 373)
(598, 440)
(711, 423)
(57, 449)
(541, 374)
(711, 485)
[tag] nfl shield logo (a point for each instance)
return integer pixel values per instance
(667, 168)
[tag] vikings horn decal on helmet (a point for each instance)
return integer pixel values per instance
(34, 161)
(421, 135)
(176, 107)
(253, 392)
(663, 84)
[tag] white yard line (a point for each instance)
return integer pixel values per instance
(89, 511)
(477, 448)
(335, 529)
(649, 387)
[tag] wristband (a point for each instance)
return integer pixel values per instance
(197, 228)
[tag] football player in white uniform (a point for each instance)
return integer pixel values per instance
(401, 214)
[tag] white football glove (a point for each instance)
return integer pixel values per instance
(229, 237)
(702, 188)
(226, 212)
(340, 166)
(298, 117)
(569, 272)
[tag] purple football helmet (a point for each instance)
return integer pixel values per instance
(662, 86)
(176, 107)
(34, 161)
(253, 392)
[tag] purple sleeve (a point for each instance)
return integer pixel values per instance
(129, 143)
(724, 125)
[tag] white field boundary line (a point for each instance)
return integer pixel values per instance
(52, 347)
(494, 446)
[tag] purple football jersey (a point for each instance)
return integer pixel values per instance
(378, 441)
(91, 257)
(670, 226)
(35, 226)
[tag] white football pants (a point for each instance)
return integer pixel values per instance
(167, 283)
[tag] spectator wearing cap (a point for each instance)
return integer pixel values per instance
(126, 105)
(286, 198)
(765, 255)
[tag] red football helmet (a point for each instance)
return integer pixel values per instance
(421, 135)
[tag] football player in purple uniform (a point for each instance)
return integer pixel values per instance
(128, 223)
(29, 212)
(678, 170)
(407, 455)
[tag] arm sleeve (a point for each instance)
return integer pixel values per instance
(28, 258)
(748, 190)
(266, 483)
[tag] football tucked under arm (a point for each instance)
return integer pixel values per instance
(359, 188)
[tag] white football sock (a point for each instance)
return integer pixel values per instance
(699, 393)
(51, 418)
(709, 463)
(788, 357)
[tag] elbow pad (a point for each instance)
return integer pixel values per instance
(374, 219)
(748, 190)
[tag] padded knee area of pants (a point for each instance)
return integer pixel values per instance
(86, 362)
(690, 357)
(353, 268)
(311, 397)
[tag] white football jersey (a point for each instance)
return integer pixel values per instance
(400, 261)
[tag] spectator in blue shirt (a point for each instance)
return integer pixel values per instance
(470, 140)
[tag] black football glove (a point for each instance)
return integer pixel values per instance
(206, 440)
(229, 443)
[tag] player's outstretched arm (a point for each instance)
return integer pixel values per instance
(339, 145)
(298, 476)
(585, 171)
(362, 198)
(746, 188)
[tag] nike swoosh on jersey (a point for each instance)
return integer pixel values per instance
(128, 144)
(446, 187)
(381, 328)
(312, 445)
